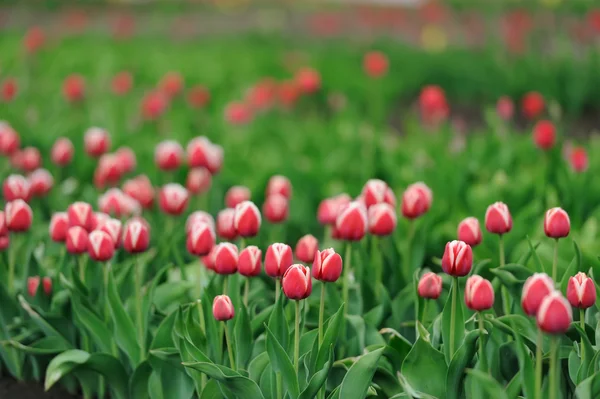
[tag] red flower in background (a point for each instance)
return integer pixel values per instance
(9, 139)
(308, 80)
(198, 96)
(288, 93)
(593, 20)
(171, 84)
(532, 105)
(432, 12)
(238, 113)
(9, 89)
(74, 88)
(123, 26)
(505, 108)
(154, 105)
(262, 95)
(34, 39)
(433, 105)
(76, 20)
(375, 64)
(121, 83)
(578, 159)
(544, 135)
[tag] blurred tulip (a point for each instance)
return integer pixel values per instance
(535, 289)
(498, 219)
(246, 219)
(329, 208)
(433, 105)
(479, 293)
(201, 152)
(377, 191)
(80, 214)
(74, 88)
(31, 159)
(209, 260)
(18, 215)
(278, 259)
(238, 113)
(154, 104)
(34, 39)
(261, 96)
(4, 242)
(532, 105)
(223, 308)
(416, 200)
(123, 26)
(32, 285)
(352, 222)
(430, 286)
(41, 182)
(59, 224)
(101, 247)
(297, 282)
(198, 180)
(327, 265)
(16, 187)
(225, 224)
(126, 158)
(544, 135)
(3, 228)
(469, 231)
(306, 248)
(505, 108)
(62, 152)
(287, 94)
(555, 314)
(236, 195)
(169, 155)
(458, 259)
(200, 239)
(250, 261)
(9, 89)
(173, 199)
(136, 236)
(279, 185)
(115, 202)
(98, 218)
(308, 80)
(578, 159)
(198, 97)
(581, 291)
(276, 208)
(96, 141)
(226, 258)
(375, 64)
(113, 228)
(47, 285)
(76, 240)
(199, 217)
(557, 223)
(9, 139)
(171, 84)
(382, 219)
(140, 188)
(121, 83)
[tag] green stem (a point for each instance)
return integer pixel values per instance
(501, 247)
(409, 240)
(504, 291)
(225, 281)
(297, 339)
(482, 332)
(346, 278)
(555, 261)
(246, 291)
(582, 322)
(82, 267)
(453, 315)
(554, 376)
(538, 364)
(203, 329)
(11, 265)
(321, 313)
(377, 264)
(277, 288)
(229, 347)
(424, 313)
(242, 243)
(137, 273)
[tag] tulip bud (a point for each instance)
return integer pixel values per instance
(169, 155)
(171, 84)
(198, 181)
(201, 152)
(223, 308)
(544, 135)
(80, 214)
(498, 219)
(469, 231)
(250, 261)
(18, 216)
(382, 219)
(375, 64)
(198, 97)
(557, 223)
(62, 152)
(209, 260)
(140, 188)
(581, 291)
(98, 218)
(153, 105)
(9, 89)
(351, 222)
(100, 246)
(173, 199)
(74, 88)
(306, 248)
(41, 182)
(126, 158)
(77, 240)
(136, 236)
(9, 139)
(416, 200)
(121, 83)
(327, 265)
(329, 208)
(59, 224)
(554, 315)
(246, 219)
(201, 239)
(278, 259)
(276, 208)
(226, 258)
(535, 289)
(47, 285)
(377, 191)
(199, 217)
(32, 285)
(532, 105)
(296, 282)
(16, 187)
(3, 228)
(479, 293)
(113, 228)
(238, 113)
(115, 202)
(505, 108)
(578, 159)
(31, 159)
(96, 141)
(430, 286)
(236, 195)
(225, 224)
(279, 185)
(458, 259)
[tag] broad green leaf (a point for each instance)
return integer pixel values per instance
(241, 386)
(460, 361)
(258, 365)
(278, 324)
(44, 346)
(318, 379)
(148, 296)
(96, 327)
(281, 363)
(163, 335)
(589, 388)
(242, 338)
(211, 391)
(138, 383)
(330, 337)
(425, 369)
(358, 378)
(526, 367)
(457, 335)
(489, 384)
(586, 348)
(398, 347)
(41, 323)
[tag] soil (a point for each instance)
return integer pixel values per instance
(12, 389)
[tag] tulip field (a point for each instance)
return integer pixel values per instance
(260, 217)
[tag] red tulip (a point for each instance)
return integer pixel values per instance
(171, 84)
(121, 83)
(238, 113)
(4, 242)
(96, 141)
(532, 105)
(329, 208)
(375, 64)
(246, 219)
(458, 259)
(9, 89)
(416, 200)
(351, 222)
(430, 286)
(136, 236)
(100, 246)
(140, 188)
(578, 159)
(32, 285)
(250, 261)
(3, 228)
(469, 231)
(31, 159)
(297, 282)
(34, 39)
(47, 285)
(41, 182)
(226, 258)
(377, 191)
(113, 228)
(74, 88)
(198, 97)
(169, 155)
(278, 259)
(115, 202)
(200, 239)
(261, 96)
(555, 314)
(209, 260)
(308, 80)
(198, 181)
(327, 265)
(9, 139)
(544, 135)
(154, 104)
(557, 223)
(505, 108)
(59, 224)
(498, 219)
(223, 308)
(288, 93)
(18, 215)
(80, 214)
(77, 240)
(201, 152)
(62, 152)
(535, 289)
(276, 208)
(236, 195)
(225, 224)
(279, 185)
(123, 26)
(581, 291)
(126, 157)
(479, 293)
(433, 105)
(173, 199)
(98, 218)
(16, 187)
(199, 217)
(306, 248)
(382, 219)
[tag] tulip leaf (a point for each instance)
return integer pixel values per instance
(397, 348)
(138, 383)
(211, 391)
(240, 386)
(588, 349)
(258, 320)
(318, 379)
(460, 361)
(163, 337)
(539, 267)
(572, 269)
(457, 335)
(278, 324)
(48, 329)
(92, 323)
(44, 346)
(513, 388)
(358, 379)
(258, 365)
(242, 337)
(526, 367)
(488, 383)
(281, 363)
(148, 296)
(330, 337)
(425, 369)
(589, 388)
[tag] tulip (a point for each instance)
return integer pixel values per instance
(278, 259)
(4, 242)
(377, 191)
(109, 171)
(32, 285)
(225, 224)
(9, 139)
(200, 239)
(136, 236)
(117, 203)
(458, 259)
(101, 247)
(226, 259)
(96, 141)
(556, 223)
(279, 185)
(498, 221)
(31, 159)
(469, 231)
(74, 88)
(351, 222)
(288, 93)
(505, 108)
(113, 228)
(535, 289)
(249, 264)
(375, 64)
(16, 187)
(578, 159)
(236, 195)
(202, 153)
(209, 260)
(306, 248)
(173, 199)
(171, 84)
(532, 105)
(238, 113)
(62, 152)
(308, 80)
(47, 285)
(416, 200)
(154, 104)
(3, 228)
(329, 208)
(121, 83)
(34, 39)
(59, 224)
(18, 216)
(382, 219)
(76, 240)
(199, 217)
(276, 208)
(9, 89)
(140, 188)
(198, 97)
(430, 286)
(98, 218)
(544, 135)
(41, 182)
(433, 105)
(198, 181)
(126, 158)
(169, 155)
(246, 219)
(479, 293)
(222, 311)
(581, 291)
(327, 267)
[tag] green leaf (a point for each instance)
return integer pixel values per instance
(258, 365)
(489, 384)
(425, 369)
(574, 267)
(332, 332)
(163, 335)
(138, 383)
(242, 337)
(539, 267)
(96, 327)
(41, 323)
(211, 391)
(148, 297)
(281, 363)
(460, 361)
(526, 366)
(239, 385)
(318, 379)
(258, 321)
(357, 380)
(44, 346)
(278, 324)
(459, 326)
(589, 353)
(589, 388)
(397, 349)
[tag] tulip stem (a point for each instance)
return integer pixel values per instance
(225, 281)
(246, 291)
(345, 278)
(453, 315)
(501, 247)
(554, 376)
(82, 267)
(321, 313)
(482, 332)
(504, 291)
(538, 364)
(137, 273)
(242, 243)
(582, 322)
(12, 254)
(297, 339)
(229, 348)
(377, 264)
(409, 240)
(423, 314)
(555, 262)
(203, 329)
(277, 288)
